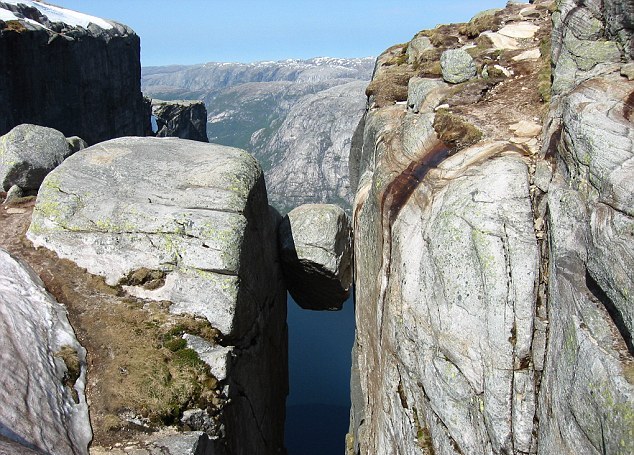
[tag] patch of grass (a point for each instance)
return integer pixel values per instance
(443, 36)
(455, 131)
(151, 371)
(14, 26)
(73, 368)
(391, 85)
(423, 437)
(544, 76)
(475, 27)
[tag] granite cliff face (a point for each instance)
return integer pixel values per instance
(493, 273)
(286, 113)
(91, 83)
(182, 119)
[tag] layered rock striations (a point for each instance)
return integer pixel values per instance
(42, 369)
(587, 393)
(492, 317)
(187, 225)
(91, 83)
(297, 117)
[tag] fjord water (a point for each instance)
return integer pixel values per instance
(319, 356)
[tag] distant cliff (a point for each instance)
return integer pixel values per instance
(493, 237)
(69, 71)
(288, 114)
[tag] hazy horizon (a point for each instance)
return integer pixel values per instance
(247, 31)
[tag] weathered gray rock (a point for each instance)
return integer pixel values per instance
(587, 391)
(42, 368)
(316, 253)
(628, 71)
(91, 83)
(14, 193)
(493, 284)
(168, 443)
(183, 119)
(580, 48)
(432, 270)
(457, 66)
(417, 47)
(76, 143)
(424, 94)
(198, 213)
(28, 153)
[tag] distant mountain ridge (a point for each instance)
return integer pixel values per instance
(275, 111)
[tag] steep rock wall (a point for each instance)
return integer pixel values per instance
(492, 317)
(81, 80)
(182, 119)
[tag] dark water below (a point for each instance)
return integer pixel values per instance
(318, 405)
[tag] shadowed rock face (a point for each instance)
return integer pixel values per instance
(182, 119)
(316, 253)
(196, 215)
(493, 282)
(42, 369)
(91, 83)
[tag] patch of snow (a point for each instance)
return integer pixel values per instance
(57, 14)
(6, 15)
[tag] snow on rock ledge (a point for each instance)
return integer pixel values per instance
(40, 360)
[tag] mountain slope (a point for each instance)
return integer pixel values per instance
(282, 112)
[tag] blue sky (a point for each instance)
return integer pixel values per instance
(198, 31)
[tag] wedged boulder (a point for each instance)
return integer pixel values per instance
(28, 153)
(184, 119)
(42, 369)
(188, 223)
(457, 66)
(316, 253)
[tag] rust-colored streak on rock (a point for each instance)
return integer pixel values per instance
(401, 188)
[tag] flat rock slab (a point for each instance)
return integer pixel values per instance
(38, 408)
(531, 54)
(169, 205)
(500, 41)
(519, 30)
(525, 128)
(316, 252)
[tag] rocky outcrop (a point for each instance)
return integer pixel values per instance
(297, 117)
(493, 282)
(316, 254)
(187, 223)
(91, 86)
(588, 387)
(28, 153)
(183, 119)
(42, 369)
